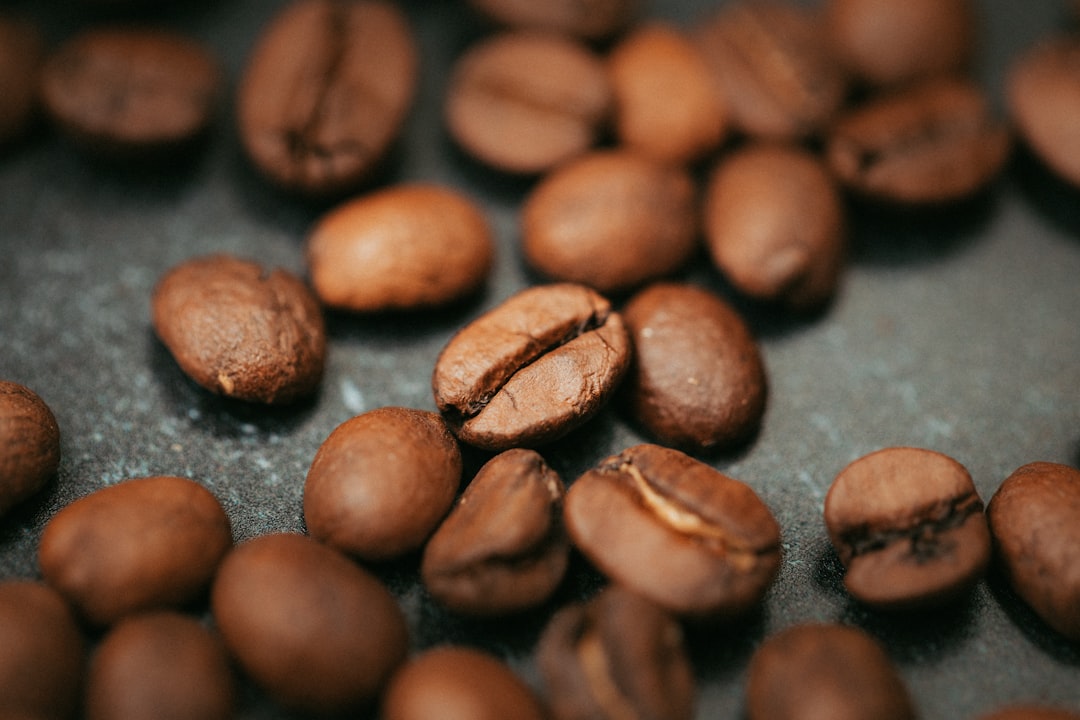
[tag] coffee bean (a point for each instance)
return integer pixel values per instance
(1043, 96)
(381, 482)
(1035, 523)
(41, 653)
(931, 142)
(29, 444)
(819, 670)
(667, 105)
(611, 220)
(532, 369)
(22, 51)
(908, 525)
(159, 665)
(774, 225)
(589, 20)
(131, 93)
(315, 631)
(524, 102)
(502, 548)
(675, 530)
(325, 92)
(241, 331)
(1031, 712)
(402, 248)
(616, 656)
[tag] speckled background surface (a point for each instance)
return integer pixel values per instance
(956, 330)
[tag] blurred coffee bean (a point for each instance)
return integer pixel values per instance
(22, 51)
(29, 444)
(588, 20)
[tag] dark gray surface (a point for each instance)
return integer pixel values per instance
(955, 330)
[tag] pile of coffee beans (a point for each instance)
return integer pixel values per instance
(646, 148)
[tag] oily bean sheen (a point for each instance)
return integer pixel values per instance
(675, 530)
(241, 331)
(531, 369)
(589, 20)
(138, 545)
(458, 683)
(502, 548)
(908, 525)
(1030, 712)
(402, 248)
(931, 142)
(524, 102)
(381, 482)
(1042, 91)
(774, 225)
(697, 380)
(41, 653)
(128, 92)
(616, 656)
(22, 51)
(813, 671)
(161, 665)
(611, 220)
(29, 444)
(1035, 523)
(314, 630)
(325, 93)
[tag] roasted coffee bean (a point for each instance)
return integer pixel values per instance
(525, 102)
(1031, 712)
(138, 545)
(932, 142)
(667, 105)
(1043, 97)
(314, 630)
(131, 93)
(616, 656)
(589, 20)
(241, 331)
(325, 93)
(29, 444)
(611, 220)
(1035, 523)
(41, 653)
(774, 67)
(819, 670)
(159, 665)
(908, 525)
(502, 548)
(675, 530)
(381, 482)
(889, 42)
(402, 248)
(774, 225)
(22, 51)
(532, 369)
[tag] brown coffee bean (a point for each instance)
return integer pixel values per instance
(458, 683)
(22, 51)
(1035, 523)
(1030, 712)
(29, 444)
(774, 67)
(532, 369)
(667, 105)
(325, 93)
(402, 248)
(159, 665)
(1043, 97)
(617, 656)
(589, 20)
(611, 220)
(932, 142)
(314, 630)
(41, 653)
(381, 482)
(502, 548)
(675, 530)
(697, 380)
(525, 102)
(138, 545)
(819, 670)
(908, 525)
(774, 225)
(241, 331)
(125, 92)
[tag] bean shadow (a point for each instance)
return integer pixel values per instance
(720, 651)
(1031, 625)
(1053, 198)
